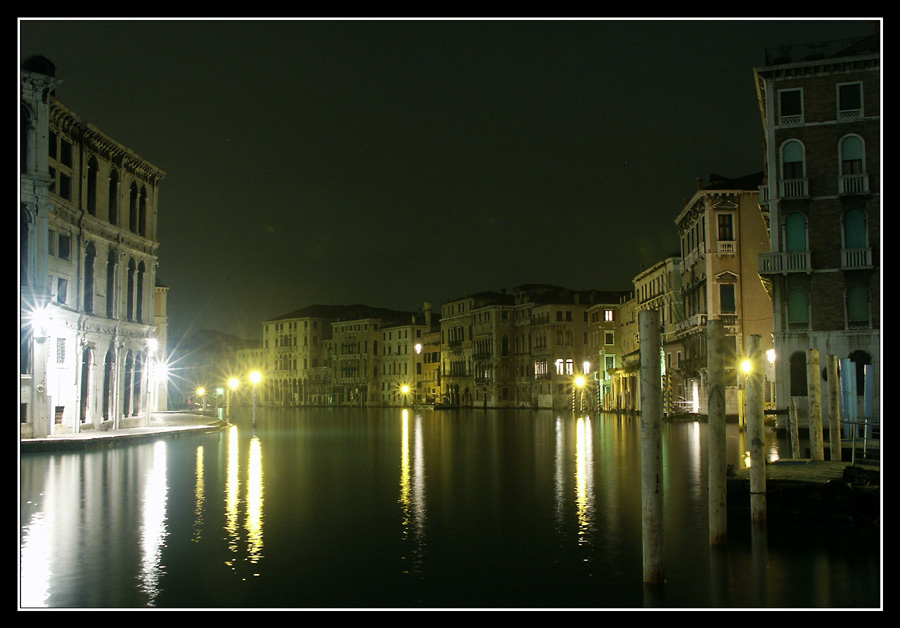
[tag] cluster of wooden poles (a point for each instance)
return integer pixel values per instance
(841, 389)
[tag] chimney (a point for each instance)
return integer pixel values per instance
(427, 308)
(699, 183)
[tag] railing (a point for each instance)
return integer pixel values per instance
(727, 247)
(790, 262)
(804, 52)
(853, 184)
(793, 188)
(856, 258)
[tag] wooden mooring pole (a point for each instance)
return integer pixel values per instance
(814, 411)
(718, 488)
(756, 430)
(834, 407)
(651, 458)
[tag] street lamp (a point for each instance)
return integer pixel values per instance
(254, 377)
(201, 392)
(405, 390)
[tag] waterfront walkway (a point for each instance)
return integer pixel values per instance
(162, 425)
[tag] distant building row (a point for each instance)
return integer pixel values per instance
(790, 254)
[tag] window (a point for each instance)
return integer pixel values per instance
(795, 232)
(798, 309)
(726, 227)
(858, 307)
(62, 286)
(608, 315)
(850, 105)
(114, 197)
(792, 160)
(851, 155)
(726, 294)
(63, 250)
(89, 256)
(798, 374)
(852, 166)
(855, 231)
(92, 186)
(790, 106)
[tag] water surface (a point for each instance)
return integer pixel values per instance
(351, 508)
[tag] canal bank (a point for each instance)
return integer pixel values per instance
(162, 425)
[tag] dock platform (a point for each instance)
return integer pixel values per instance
(813, 489)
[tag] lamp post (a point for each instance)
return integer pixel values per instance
(254, 377)
(405, 390)
(201, 393)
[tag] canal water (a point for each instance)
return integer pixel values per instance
(355, 508)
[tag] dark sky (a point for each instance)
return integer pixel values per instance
(396, 162)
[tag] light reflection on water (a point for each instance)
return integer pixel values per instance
(396, 508)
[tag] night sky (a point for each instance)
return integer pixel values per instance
(396, 162)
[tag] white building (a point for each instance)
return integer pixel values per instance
(88, 259)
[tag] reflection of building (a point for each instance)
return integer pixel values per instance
(820, 107)
(722, 234)
(88, 269)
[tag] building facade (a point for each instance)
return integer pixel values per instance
(659, 288)
(722, 233)
(820, 107)
(88, 262)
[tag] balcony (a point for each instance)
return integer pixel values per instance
(856, 259)
(788, 262)
(793, 188)
(853, 184)
(727, 247)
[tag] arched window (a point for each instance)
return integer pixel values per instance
(139, 297)
(114, 197)
(132, 269)
(858, 307)
(852, 155)
(133, 208)
(24, 139)
(798, 374)
(792, 160)
(24, 233)
(142, 212)
(138, 381)
(92, 186)
(126, 384)
(107, 385)
(111, 285)
(90, 255)
(798, 309)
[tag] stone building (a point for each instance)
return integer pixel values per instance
(88, 262)
(604, 346)
(722, 233)
(821, 115)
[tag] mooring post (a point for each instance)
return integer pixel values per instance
(794, 427)
(834, 408)
(848, 397)
(814, 392)
(756, 430)
(718, 506)
(651, 459)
